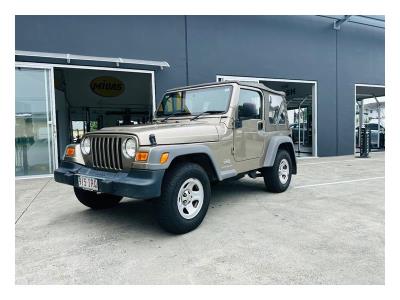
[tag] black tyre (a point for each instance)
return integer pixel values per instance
(185, 197)
(277, 178)
(96, 201)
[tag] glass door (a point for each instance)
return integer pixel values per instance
(34, 130)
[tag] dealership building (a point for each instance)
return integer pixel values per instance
(75, 74)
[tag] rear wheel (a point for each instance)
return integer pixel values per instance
(96, 201)
(184, 199)
(277, 178)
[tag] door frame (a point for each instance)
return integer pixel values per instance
(314, 95)
(355, 109)
(262, 119)
(52, 99)
(49, 82)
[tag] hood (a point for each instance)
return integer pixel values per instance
(170, 133)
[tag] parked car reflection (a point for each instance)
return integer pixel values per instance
(374, 136)
(305, 133)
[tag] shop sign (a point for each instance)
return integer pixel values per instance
(107, 86)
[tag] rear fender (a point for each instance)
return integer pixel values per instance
(276, 143)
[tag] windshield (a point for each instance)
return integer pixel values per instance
(196, 101)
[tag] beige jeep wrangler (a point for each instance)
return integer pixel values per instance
(199, 135)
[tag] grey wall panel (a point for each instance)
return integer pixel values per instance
(290, 47)
(361, 59)
(141, 37)
(301, 47)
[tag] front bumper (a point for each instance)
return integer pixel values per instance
(136, 183)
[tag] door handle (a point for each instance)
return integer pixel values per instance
(260, 125)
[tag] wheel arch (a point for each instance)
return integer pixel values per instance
(199, 158)
(280, 143)
(200, 154)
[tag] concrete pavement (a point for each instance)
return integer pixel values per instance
(328, 228)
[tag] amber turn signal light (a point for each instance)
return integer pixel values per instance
(142, 156)
(70, 151)
(164, 157)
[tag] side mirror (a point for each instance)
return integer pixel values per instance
(248, 111)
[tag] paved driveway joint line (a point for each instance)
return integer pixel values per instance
(37, 194)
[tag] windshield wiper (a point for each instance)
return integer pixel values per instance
(175, 114)
(210, 112)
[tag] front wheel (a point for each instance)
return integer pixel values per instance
(277, 178)
(96, 201)
(184, 199)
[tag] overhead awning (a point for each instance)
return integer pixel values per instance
(297, 93)
(365, 92)
(367, 20)
(73, 59)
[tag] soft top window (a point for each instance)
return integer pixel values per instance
(276, 110)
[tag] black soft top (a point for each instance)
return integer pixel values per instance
(242, 83)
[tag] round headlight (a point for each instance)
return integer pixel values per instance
(129, 148)
(85, 146)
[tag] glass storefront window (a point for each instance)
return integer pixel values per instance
(33, 136)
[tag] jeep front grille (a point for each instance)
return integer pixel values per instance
(106, 152)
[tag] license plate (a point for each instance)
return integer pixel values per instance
(88, 183)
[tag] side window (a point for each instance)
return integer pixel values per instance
(276, 110)
(249, 106)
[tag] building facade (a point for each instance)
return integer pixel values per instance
(317, 60)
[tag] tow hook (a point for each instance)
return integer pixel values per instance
(254, 174)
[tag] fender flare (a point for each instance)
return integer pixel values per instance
(187, 149)
(273, 146)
